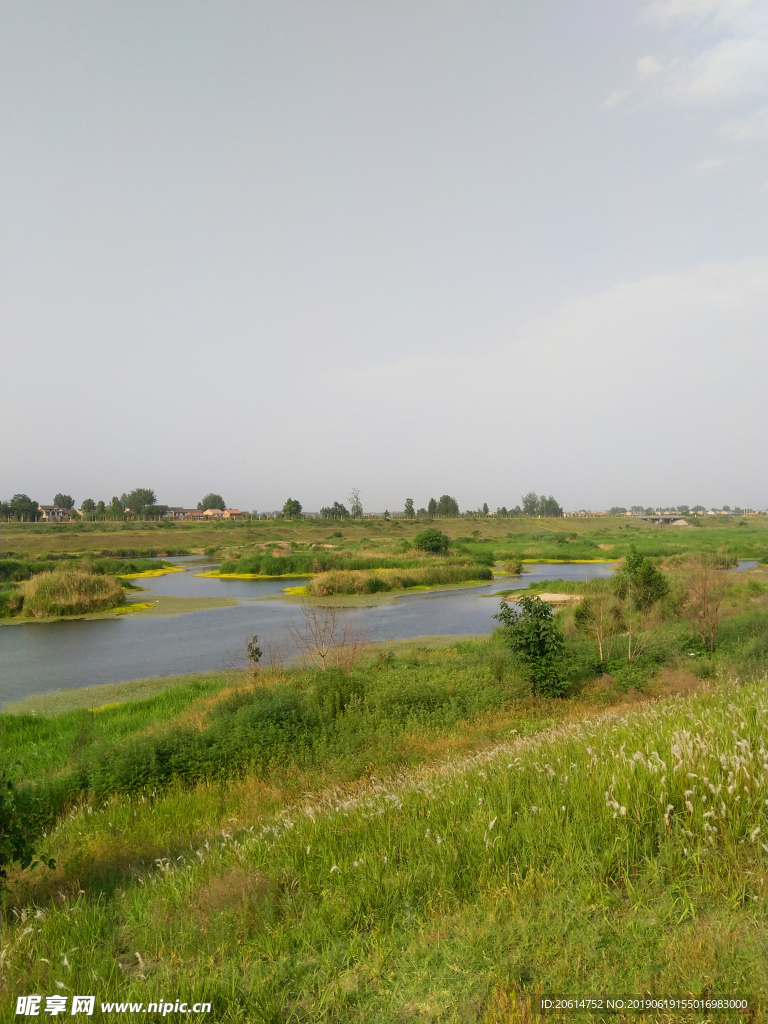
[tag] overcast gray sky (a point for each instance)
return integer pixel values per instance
(282, 248)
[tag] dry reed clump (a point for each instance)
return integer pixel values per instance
(361, 581)
(70, 593)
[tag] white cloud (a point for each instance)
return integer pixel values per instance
(746, 129)
(711, 69)
(712, 164)
(645, 386)
(647, 66)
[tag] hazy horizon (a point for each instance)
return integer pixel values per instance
(290, 249)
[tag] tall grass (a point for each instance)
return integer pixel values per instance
(615, 856)
(361, 582)
(300, 563)
(70, 593)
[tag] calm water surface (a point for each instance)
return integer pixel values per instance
(40, 657)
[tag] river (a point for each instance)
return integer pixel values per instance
(41, 657)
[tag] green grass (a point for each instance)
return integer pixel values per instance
(619, 855)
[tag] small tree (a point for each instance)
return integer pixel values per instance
(640, 580)
(89, 505)
(434, 542)
(100, 508)
(116, 509)
(705, 583)
(254, 652)
(292, 509)
(212, 501)
(410, 512)
(64, 501)
(355, 504)
(599, 616)
(533, 636)
(432, 507)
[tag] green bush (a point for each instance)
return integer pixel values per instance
(70, 593)
(435, 542)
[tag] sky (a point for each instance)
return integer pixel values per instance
(293, 248)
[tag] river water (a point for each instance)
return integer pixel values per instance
(41, 657)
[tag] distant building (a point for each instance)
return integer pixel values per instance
(52, 513)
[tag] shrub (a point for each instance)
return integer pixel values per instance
(361, 582)
(433, 541)
(538, 643)
(70, 593)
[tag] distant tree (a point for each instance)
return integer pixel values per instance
(116, 508)
(334, 511)
(292, 509)
(447, 506)
(355, 505)
(64, 501)
(535, 639)
(638, 510)
(502, 511)
(683, 510)
(100, 508)
(726, 508)
(212, 501)
(89, 505)
(530, 504)
(549, 507)
(432, 507)
(617, 510)
(485, 508)
(649, 511)
(409, 510)
(698, 508)
(23, 507)
(516, 511)
(432, 541)
(422, 513)
(138, 499)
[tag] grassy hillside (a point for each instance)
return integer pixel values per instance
(618, 853)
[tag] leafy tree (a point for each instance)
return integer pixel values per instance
(212, 501)
(409, 510)
(638, 510)
(534, 637)
(698, 508)
(726, 508)
(502, 511)
(292, 509)
(447, 506)
(432, 507)
(433, 541)
(335, 511)
(89, 505)
(531, 504)
(640, 580)
(23, 507)
(355, 505)
(485, 508)
(617, 510)
(116, 507)
(138, 499)
(549, 507)
(64, 501)
(100, 508)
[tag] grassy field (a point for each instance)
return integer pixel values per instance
(417, 837)
(596, 538)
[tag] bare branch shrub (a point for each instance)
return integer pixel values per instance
(326, 637)
(705, 581)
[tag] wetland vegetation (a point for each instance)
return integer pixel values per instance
(415, 832)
